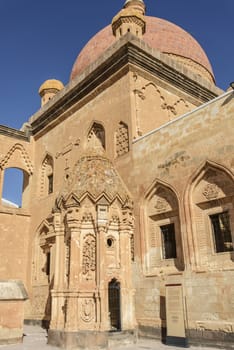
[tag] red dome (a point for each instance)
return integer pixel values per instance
(160, 34)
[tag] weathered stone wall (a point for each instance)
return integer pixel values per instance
(16, 152)
(12, 296)
(174, 155)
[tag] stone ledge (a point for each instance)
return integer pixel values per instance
(216, 339)
(11, 290)
(11, 132)
(94, 340)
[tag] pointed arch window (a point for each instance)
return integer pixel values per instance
(47, 176)
(96, 135)
(163, 232)
(114, 301)
(213, 215)
(221, 232)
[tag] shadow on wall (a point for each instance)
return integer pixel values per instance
(163, 318)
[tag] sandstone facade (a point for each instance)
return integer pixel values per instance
(128, 187)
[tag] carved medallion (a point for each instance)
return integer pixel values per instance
(211, 191)
(87, 310)
(161, 205)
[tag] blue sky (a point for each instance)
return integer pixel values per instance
(41, 39)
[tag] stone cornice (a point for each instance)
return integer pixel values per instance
(126, 52)
(14, 133)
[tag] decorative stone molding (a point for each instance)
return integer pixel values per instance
(46, 169)
(89, 256)
(68, 148)
(171, 108)
(24, 155)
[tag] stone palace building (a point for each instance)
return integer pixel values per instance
(126, 226)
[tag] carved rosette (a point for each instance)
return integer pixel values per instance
(161, 205)
(211, 191)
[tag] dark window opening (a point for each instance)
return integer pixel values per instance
(50, 183)
(221, 232)
(168, 241)
(110, 242)
(114, 305)
(48, 264)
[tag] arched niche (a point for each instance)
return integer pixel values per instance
(96, 136)
(211, 196)
(114, 304)
(162, 230)
(47, 176)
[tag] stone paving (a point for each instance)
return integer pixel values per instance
(35, 338)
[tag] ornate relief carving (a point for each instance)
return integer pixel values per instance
(115, 219)
(161, 205)
(179, 158)
(68, 148)
(211, 191)
(140, 93)
(17, 147)
(169, 108)
(87, 217)
(122, 140)
(87, 310)
(172, 108)
(94, 175)
(89, 256)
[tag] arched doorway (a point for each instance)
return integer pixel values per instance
(114, 305)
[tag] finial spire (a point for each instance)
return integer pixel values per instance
(130, 19)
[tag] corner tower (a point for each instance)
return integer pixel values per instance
(130, 19)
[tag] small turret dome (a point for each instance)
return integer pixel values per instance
(49, 89)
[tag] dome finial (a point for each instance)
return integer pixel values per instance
(137, 5)
(130, 19)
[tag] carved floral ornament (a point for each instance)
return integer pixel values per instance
(161, 205)
(211, 191)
